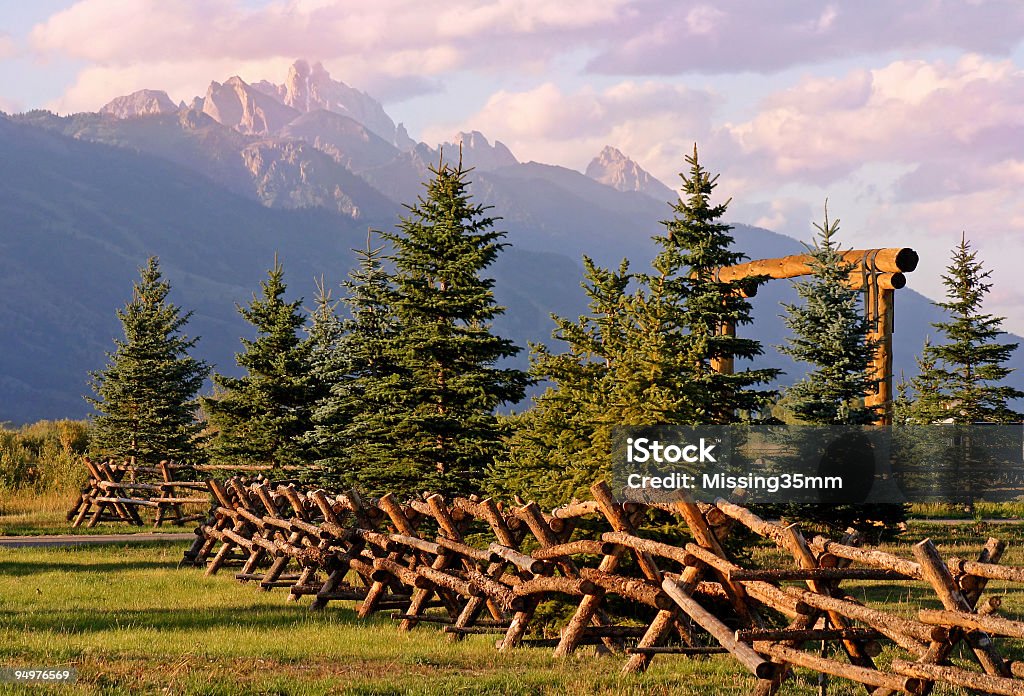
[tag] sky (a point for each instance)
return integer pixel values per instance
(908, 117)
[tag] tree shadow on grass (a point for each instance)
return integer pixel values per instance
(241, 618)
(70, 565)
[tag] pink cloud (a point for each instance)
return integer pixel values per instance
(8, 47)
(908, 112)
(672, 37)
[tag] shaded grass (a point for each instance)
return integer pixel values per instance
(132, 623)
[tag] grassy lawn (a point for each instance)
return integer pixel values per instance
(26, 513)
(131, 623)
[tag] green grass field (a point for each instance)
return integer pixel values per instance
(132, 623)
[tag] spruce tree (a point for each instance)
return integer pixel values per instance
(353, 424)
(561, 446)
(261, 416)
(447, 431)
(830, 335)
(962, 377)
(324, 336)
(145, 396)
(642, 357)
(704, 245)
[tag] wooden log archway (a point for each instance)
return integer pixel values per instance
(879, 273)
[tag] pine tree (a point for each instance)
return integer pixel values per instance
(704, 245)
(261, 416)
(961, 378)
(642, 357)
(145, 396)
(561, 446)
(447, 431)
(353, 433)
(324, 336)
(830, 334)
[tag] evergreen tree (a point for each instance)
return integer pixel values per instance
(261, 416)
(561, 446)
(145, 396)
(325, 333)
(446, 352)
(830, 334)
(704, 245)
(961, 378)
(642, 357)
(353, 434)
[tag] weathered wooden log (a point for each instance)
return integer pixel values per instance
(450, 582)
(901, 260)
(466, 550)
(126, 501)
(751, 521)
(575, 509)
(760, 667)
(766, 594)
(418, 544)
(525, 563)
(381, 541)
(655, 548)
(643, 591)
(989, 606)
(749, 635)
(864, 675)
(789, 574)
(473, 630)
(974, 622)
(938, 576)
(986, 570)
(896, 628)
(959, 677)
(872, 557)
(583, 546)
(494, 589)
(383, 568)
(676, 650)
(299, 525)
(545, 584)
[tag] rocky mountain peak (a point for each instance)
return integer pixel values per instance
(247, 110)
(477, 151)
(311, 87)
(613, 168)
(141, 103)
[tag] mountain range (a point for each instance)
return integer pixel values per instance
(303, 169)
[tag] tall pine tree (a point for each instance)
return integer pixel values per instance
(704, 244)
(447, 431)
(145, 396)
(324, 335)
(830, 335)
(261, 416)
(962, 377)
(353, 424)
(642, 357)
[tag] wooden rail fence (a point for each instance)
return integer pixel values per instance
(474, 566)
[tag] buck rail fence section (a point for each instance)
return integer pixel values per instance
(475, 566)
